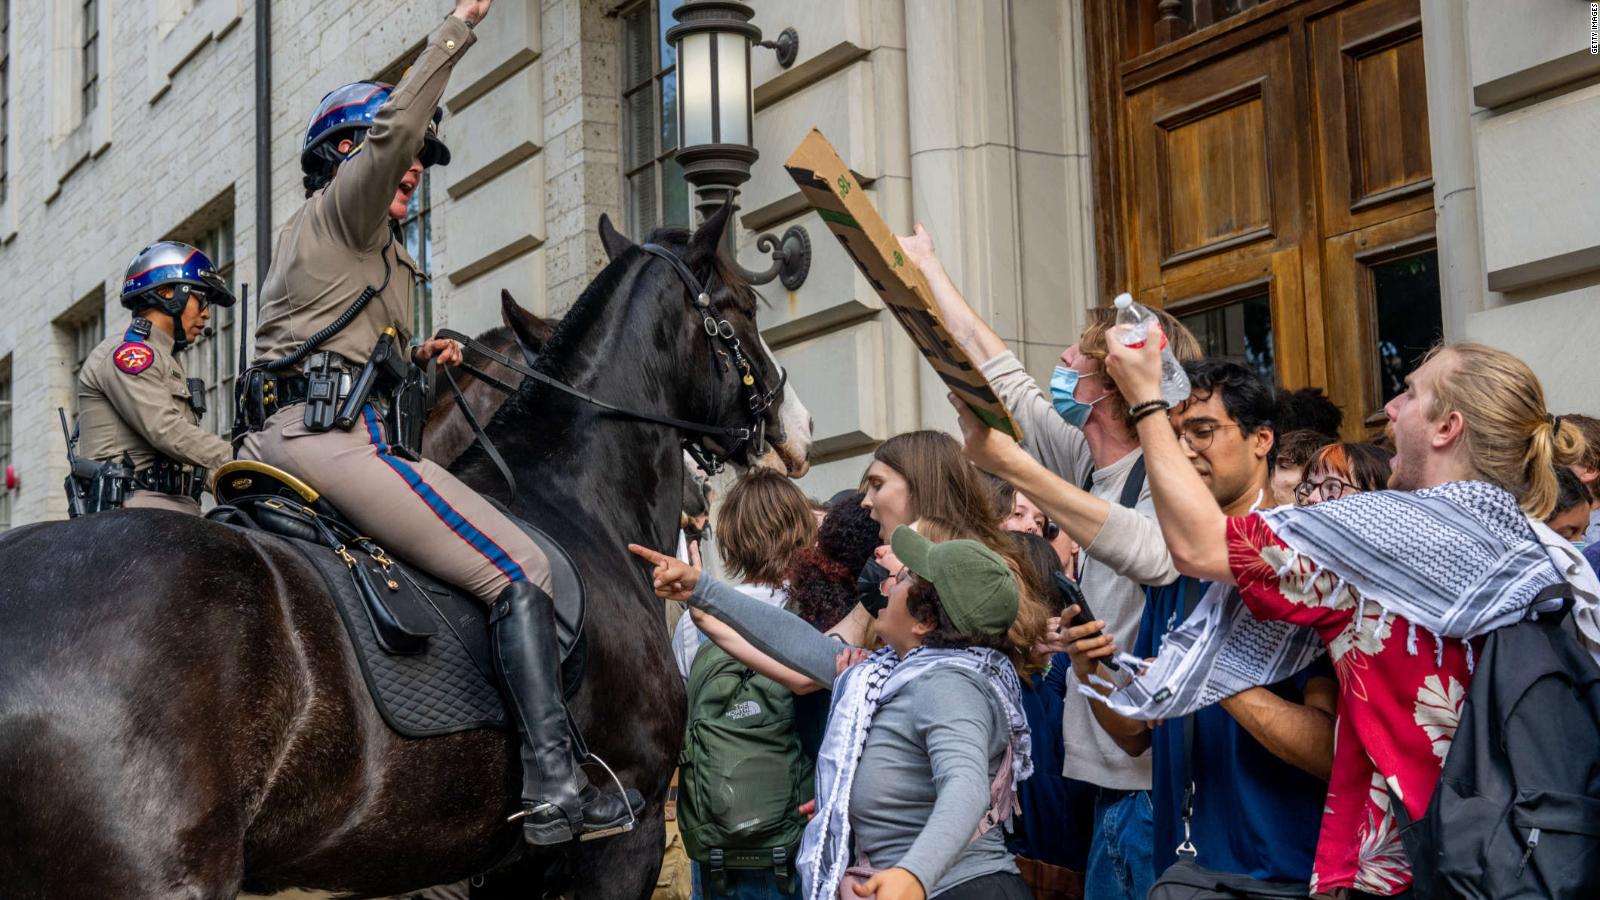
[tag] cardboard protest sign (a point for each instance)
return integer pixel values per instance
(833, 192)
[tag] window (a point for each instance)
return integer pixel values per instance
(89, 56)
(216, 358)
(5, 95)
(1409, 317)
(86, 326)
(1240, 331)
(656, 193)
(418, 231)
(5, 439)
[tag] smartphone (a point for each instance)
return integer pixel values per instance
(1071, 594)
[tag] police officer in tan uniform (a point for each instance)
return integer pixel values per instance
(336, 306)
(138, 413)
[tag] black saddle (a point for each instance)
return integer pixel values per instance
(423, 645)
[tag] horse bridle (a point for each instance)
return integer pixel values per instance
(758, 399)
(730, 356)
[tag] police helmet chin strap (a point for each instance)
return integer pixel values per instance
(175, 308)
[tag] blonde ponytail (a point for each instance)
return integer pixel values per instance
(1554, 443)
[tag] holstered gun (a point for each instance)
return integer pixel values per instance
(384, 371)
(409, 411)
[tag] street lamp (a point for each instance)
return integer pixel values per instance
(716, 121)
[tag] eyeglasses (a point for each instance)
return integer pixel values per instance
(1199, 437)
(1327, 489)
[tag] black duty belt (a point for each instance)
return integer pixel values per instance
(167, 477)
(291, 389)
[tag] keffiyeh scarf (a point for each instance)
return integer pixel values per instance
(1458, 561)
(825, 850)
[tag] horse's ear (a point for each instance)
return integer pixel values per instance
(530, 330)
(709, 236)
(612, 239)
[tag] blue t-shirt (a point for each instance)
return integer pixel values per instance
(1254, 814)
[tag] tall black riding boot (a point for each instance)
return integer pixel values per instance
(558, 802)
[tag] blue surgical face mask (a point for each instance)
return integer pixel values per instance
(1063, 396)
(1580, 544)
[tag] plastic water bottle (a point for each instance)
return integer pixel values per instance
(1174, 381)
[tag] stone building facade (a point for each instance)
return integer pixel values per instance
(127, 121)
(1513, 108)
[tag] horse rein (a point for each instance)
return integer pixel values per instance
(758, 399)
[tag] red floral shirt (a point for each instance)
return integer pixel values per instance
(1398, 707)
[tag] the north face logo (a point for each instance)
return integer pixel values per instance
(744, 710)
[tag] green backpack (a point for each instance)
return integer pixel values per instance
(741, 775)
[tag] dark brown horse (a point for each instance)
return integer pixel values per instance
(181, 714)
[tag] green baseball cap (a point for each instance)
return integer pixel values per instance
(976, 587)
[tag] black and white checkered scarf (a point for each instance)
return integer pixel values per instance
(1457, 561)
(825, 849)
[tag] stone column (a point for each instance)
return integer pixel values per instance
(999, 164)
(1455, 187)
(582, 170)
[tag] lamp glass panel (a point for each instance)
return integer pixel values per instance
(733, 88)
(694, 88)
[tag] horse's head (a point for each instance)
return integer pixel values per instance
(720, 377)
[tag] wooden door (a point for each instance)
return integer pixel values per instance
(1263, 171)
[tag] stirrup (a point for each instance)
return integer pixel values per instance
(622, 793)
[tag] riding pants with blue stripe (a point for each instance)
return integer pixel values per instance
(416, 511)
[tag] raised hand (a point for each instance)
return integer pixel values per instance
(472, 11)
(673, 578)
(992, 451)
(1136, 370)
(918, 247)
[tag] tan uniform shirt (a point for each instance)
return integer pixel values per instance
(133, 398)
(340, 238)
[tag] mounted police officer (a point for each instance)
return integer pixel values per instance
(138, 413)
(334, 398)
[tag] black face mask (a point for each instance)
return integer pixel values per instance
(869, 587)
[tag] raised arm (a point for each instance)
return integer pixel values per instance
(1193, 525)
(357, 202)
(970, 331)
(1130, 543)
(719, 633)
(787, 638)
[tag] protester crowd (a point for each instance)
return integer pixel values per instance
(1149, 648)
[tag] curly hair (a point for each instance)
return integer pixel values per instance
(822, 578)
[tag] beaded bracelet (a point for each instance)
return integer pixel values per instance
(1147, 408)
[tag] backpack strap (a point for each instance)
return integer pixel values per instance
(1561, 589)
(1186, 850)
(1131, 489)
(1134, 486)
